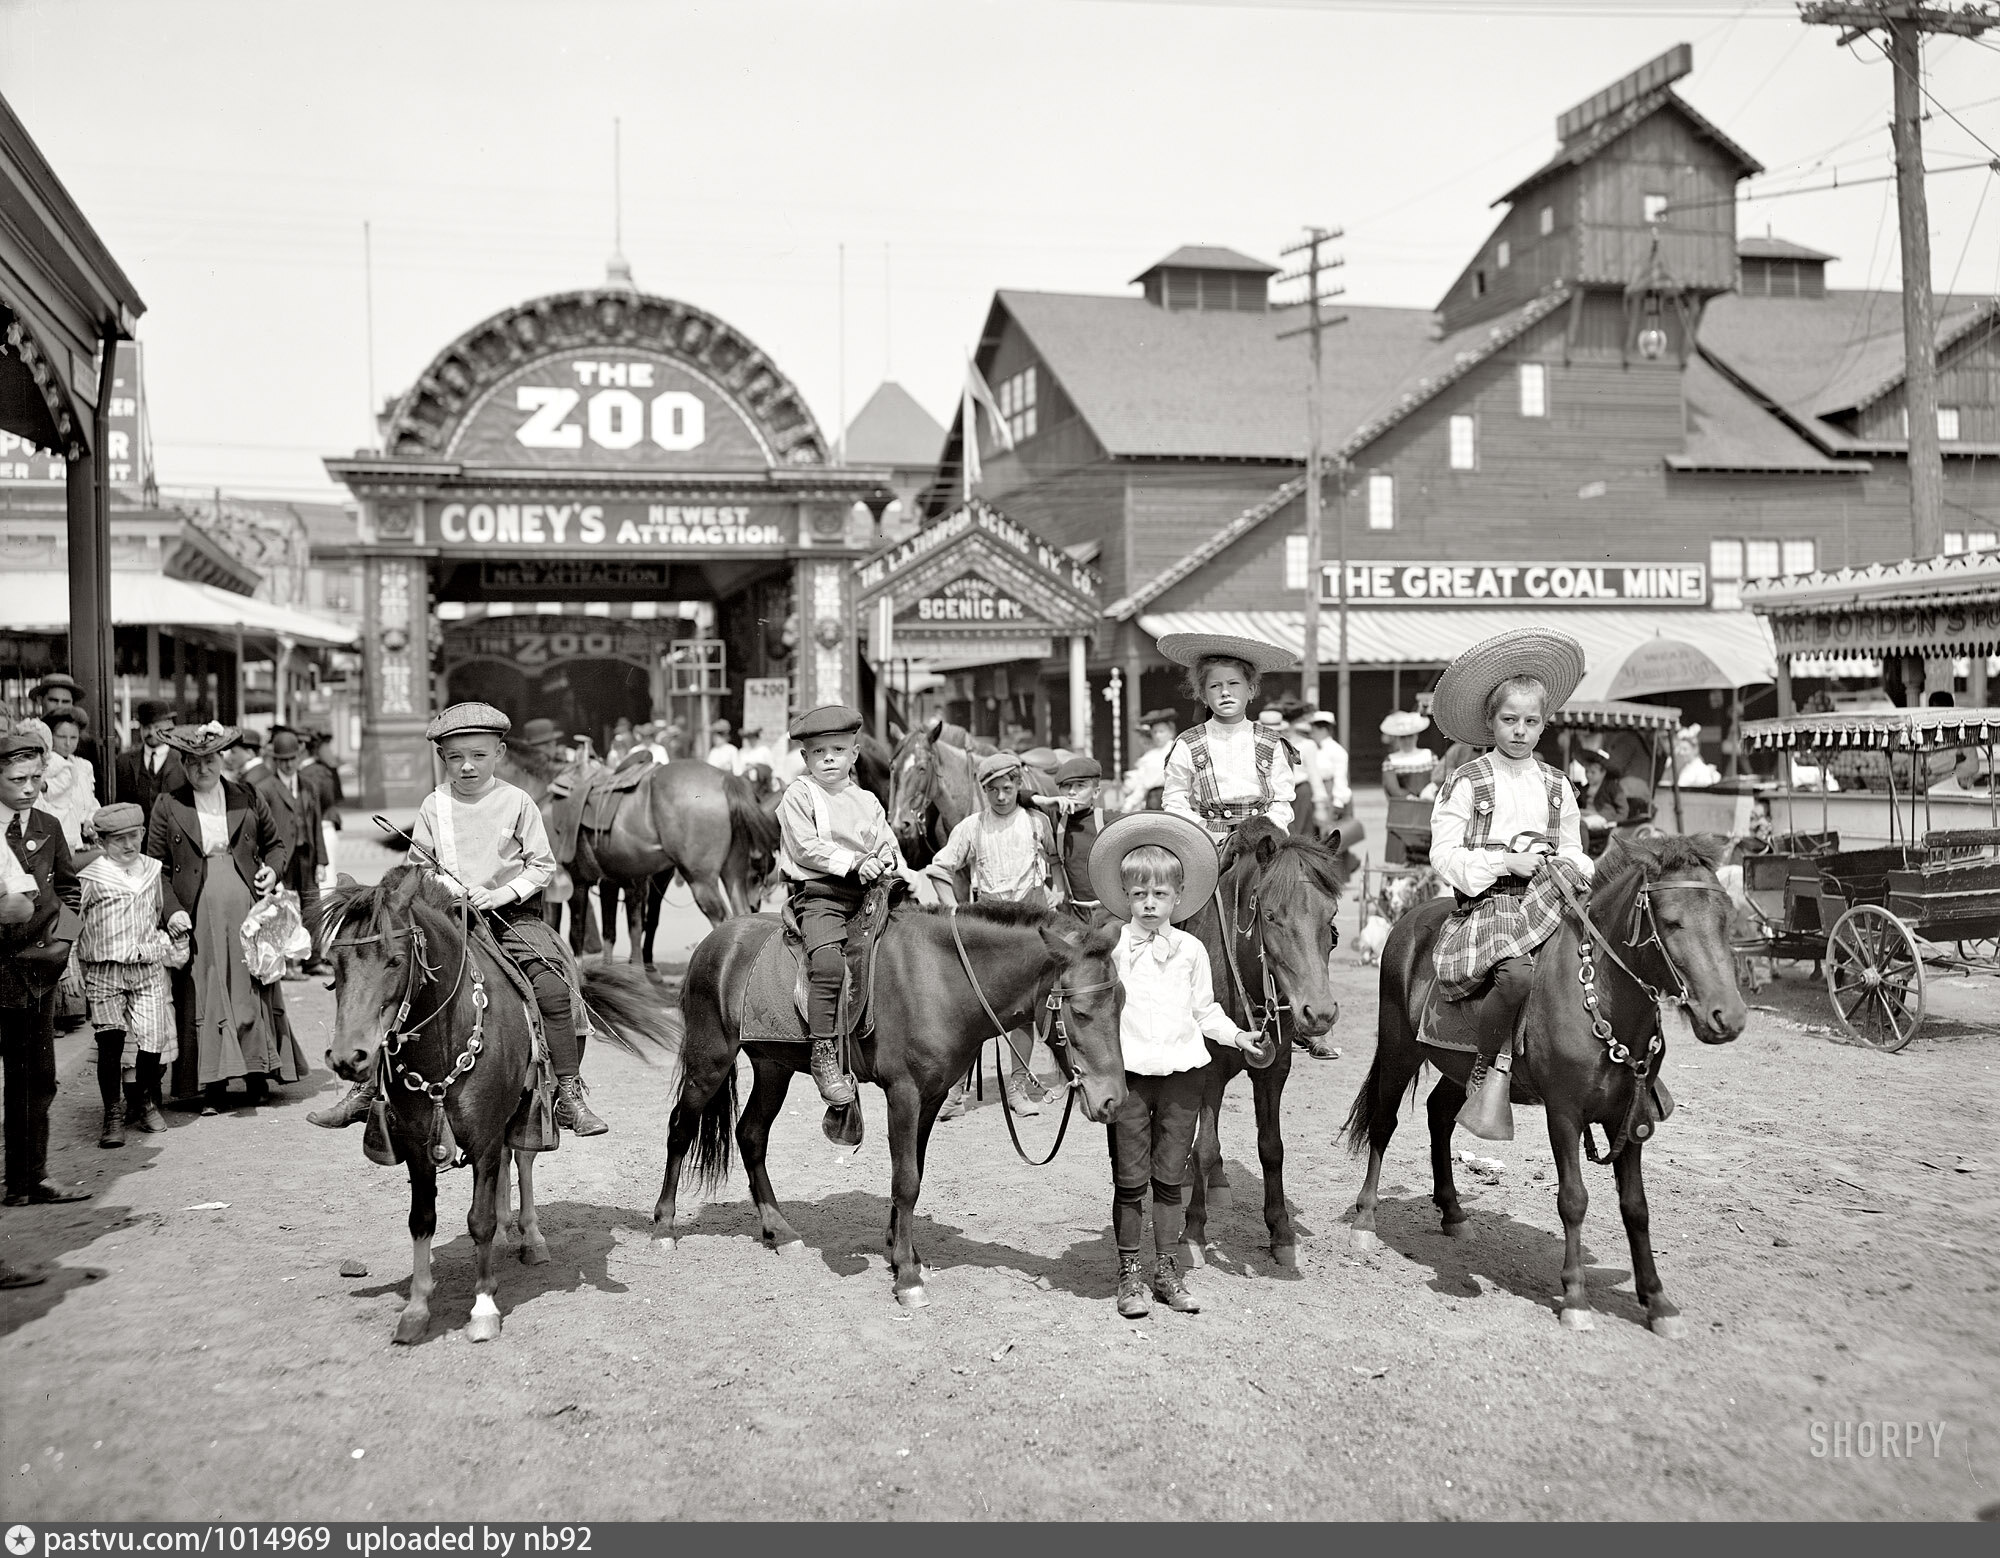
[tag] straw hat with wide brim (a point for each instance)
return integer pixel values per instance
(1459, 703)
(1199, 865)
(1192, 648)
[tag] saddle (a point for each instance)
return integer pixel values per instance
(587, 799)
(775, 994)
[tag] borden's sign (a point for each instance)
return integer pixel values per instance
(1549, 584)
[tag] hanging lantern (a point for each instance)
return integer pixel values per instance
(1652, 338)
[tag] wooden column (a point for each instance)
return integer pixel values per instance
(1975, 679)
(1785, 709)
(1079, 695)
(90, 658)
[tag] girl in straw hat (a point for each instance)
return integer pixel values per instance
(1408, 769)
(1504, 826)
(1151, 869)
(1227, 769)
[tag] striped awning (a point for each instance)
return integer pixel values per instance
(631, 610)
(1738, 641)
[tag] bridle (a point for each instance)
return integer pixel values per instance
(1269, 1014)
(1056, 1036)
(914, 808)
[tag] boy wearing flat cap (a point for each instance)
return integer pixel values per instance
(1077, 819)
(837, 843)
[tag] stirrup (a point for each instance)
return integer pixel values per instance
(836, 1088)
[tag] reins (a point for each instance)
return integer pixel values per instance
(1056, 1037)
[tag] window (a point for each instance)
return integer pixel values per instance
(1479, 283)
(1982, 541)
(1948, 424)
(1732, 560)
(1548, 220)
(1017, 403)
(1504, 254)
(1295, 562)
(1381, 502)
(1954, 542)
(1534, 390)
(1464, 445)
(1725, 574)
(1656, 209)
(1762, 559)
(1801, 557)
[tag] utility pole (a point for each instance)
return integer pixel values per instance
(1311, 269)
(1905, 23)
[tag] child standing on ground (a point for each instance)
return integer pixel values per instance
(837, 843)
(1151, 869)
(134, 930)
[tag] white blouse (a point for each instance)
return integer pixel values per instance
(1170, 1004)
(1520, 805)
(1232, 749)
(211, 809)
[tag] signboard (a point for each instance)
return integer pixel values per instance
(1021, 544)
(1545, 584)
(968, 598)
(613, 526)
(533, 643)
(1947, 628)
(766, 707)
(532, 576)
(609, 408)
(125, 445)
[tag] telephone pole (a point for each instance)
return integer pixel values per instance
(1904, 24)
(1315, 265)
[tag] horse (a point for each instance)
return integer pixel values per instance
(411, 978)
(930, 1017)
(934, 785)
(1660, 916)
(1269, 934)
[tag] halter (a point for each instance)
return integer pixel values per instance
(917, 808)
(1268, 1015)
(1056, 1036)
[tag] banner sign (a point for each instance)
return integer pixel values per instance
(766, 707)
(609, 408)
(968, 598)
(1947, 628)
(1021, 544)
(532, 577)
(22, 461)
(535, 642)
(612, 526)
(1545, 584)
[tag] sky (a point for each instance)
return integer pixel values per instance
(230, 153)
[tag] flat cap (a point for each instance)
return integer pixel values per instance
(537, 731)
(829, 719)
(995, 764)
(1044, 758)
(1079, 767)
(21, 744)
(465, 719)
(252, 739)
(119, 817)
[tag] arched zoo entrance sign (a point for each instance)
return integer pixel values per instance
(554, 485)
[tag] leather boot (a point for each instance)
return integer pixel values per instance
(835, 1087)
(140, 1112)
(1020, 1090)
(112, 1134)
(1168, 1287)
(572, 1113)
(1134, 1302)
(349, 1110)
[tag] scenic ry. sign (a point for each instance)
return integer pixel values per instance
(1552, 584)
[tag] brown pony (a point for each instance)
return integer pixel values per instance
(1664, 918)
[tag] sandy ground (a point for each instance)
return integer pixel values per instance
(1834, 1264)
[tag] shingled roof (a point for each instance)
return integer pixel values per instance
(892, 429)
(1582, 147)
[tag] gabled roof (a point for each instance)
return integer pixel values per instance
(1581, 148)
(1197, 256)
(1157, 383)
(1728, 429)
(892, 429)
(1777, 249)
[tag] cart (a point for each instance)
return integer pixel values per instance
(1658, 722)
(1880, 921)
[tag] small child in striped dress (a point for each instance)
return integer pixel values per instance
(134, 930)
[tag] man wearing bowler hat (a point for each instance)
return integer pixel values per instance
(58, 692)
(151, 768)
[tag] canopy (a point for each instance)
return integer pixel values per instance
(1737, 642)
(1898, 728)
(1931, 606)
(1585, 714)
(1668, 665)
(37, 601)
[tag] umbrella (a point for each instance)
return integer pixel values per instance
(1668, 665)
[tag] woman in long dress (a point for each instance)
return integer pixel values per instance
(222, 850)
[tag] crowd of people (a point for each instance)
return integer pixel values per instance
(132, 914)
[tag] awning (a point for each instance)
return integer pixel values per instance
(1737, 641)
(37, 601)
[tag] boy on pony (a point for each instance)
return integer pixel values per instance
(486, 836)
(1504, 830)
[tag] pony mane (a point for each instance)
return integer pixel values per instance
(355, 905)
(1314, 860)
(998, 912)
(1665, 855)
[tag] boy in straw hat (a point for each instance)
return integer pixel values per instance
(134, 930)
(1503, 827)
(1151, 869)
(1227, 770)
(1009, 852)
(487, 839)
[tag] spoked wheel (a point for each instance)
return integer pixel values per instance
(1875, 977)
(1983, 951)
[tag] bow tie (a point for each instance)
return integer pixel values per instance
(1155, 945)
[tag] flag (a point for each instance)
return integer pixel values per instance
(976, 397)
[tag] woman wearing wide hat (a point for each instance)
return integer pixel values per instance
(1504, 830)
(222, 849)
(1228, 769)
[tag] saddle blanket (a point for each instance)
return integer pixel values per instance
(773, 1006)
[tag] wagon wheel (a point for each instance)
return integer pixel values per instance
(1980, 951)
(1875, 977)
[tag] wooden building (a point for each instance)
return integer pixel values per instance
(1618, 415)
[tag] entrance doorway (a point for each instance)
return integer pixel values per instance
(586, 697)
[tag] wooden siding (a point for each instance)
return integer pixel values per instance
(1535, 262)
(1172, 509)
(1661, 156)
(1968, 378)
(1762, 278)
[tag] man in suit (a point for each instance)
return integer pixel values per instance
(323, 774)
(58, 691)
(245, 761)
(295, 806)
(28, 986)
(151, 768)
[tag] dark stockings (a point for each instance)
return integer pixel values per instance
(1128, 1213)
(110, 1065)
